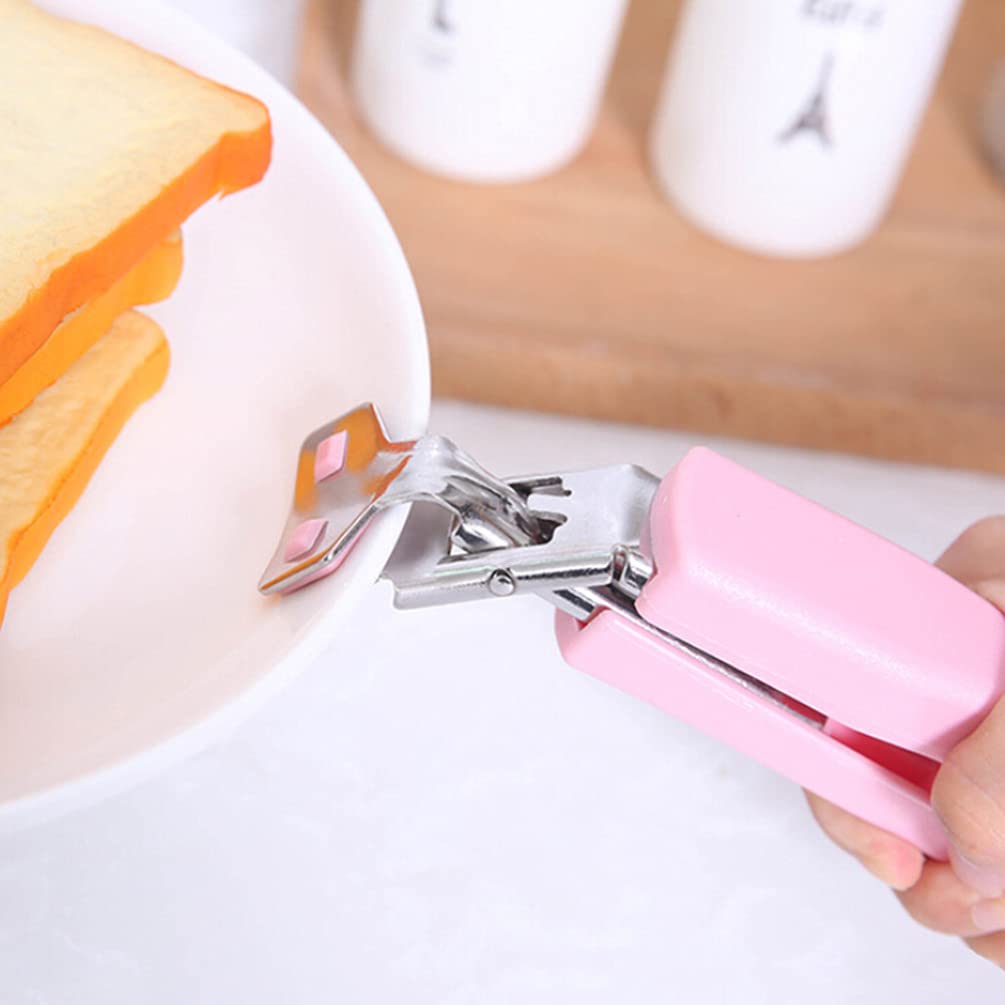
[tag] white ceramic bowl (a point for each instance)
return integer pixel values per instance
(139, 635)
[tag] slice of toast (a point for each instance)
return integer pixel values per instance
(106, 149)
(49, 452)
(152, 279)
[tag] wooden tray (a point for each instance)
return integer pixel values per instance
(585, 292)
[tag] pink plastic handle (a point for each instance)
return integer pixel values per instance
(845, 622)
(820, 608)
(612, 649)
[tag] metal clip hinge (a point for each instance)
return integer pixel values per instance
(589, 524)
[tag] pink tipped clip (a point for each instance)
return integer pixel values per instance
(810, 644)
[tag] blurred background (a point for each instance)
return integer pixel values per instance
(777, 220)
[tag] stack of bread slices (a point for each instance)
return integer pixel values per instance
(105, 149)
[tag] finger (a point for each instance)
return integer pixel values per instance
(889, 858)
(989, 915)
(969, 798)
(969, 791)
(978, 554)
(940, 901)
(991, 947)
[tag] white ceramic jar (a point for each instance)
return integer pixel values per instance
(484, 90)
(267, 30)
(783, 125)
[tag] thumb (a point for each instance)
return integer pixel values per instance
(969, 790)
(969, 798)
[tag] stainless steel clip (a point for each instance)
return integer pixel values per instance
(470, 534)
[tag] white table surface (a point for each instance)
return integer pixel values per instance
(441, 811)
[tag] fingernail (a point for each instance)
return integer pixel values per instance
(987, 880)
(988, 915)
(894, 872)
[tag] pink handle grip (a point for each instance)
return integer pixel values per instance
(610, 648)
(820, 608)
(845, 622)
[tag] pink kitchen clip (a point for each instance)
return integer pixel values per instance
(797, 637)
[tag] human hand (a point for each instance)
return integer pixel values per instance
(965, 897)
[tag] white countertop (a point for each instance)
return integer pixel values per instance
(441, 811)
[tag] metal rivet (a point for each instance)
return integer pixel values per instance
(501, 583)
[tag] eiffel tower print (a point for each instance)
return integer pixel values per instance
(814, 118)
